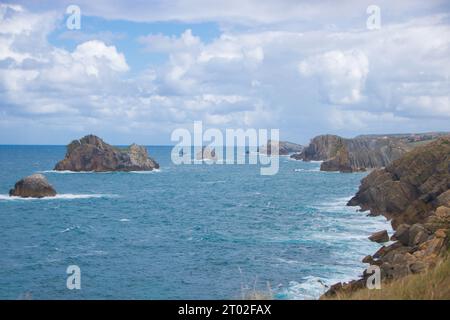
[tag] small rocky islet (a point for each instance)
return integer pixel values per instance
(91, 153)
(34, 186)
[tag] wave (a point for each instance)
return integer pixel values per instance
(146, 172)
(96, 172)
(124, 220)
(68, 171)
(66, 196)
(307, 170)
(310, 288)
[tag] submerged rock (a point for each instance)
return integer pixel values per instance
(34, 186)
(93, 154)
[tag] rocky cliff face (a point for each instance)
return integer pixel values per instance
(34, 186)
(348, 155)
(93, 154)
(414, 192)
(284, 147)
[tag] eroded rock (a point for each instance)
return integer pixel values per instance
(34, 186)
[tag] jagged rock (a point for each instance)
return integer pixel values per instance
(93, 154)
(34, 186)
(380, 236)
(441, 233)
(349, 155)
(417, 234)
(402, 234)
(368, 259)
(444, 199)
(284, 147)
(439, 220)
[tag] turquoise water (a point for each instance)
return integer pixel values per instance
(184, 232)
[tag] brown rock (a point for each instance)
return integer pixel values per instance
(34, 186)
(92, 154)
(441, 233)
(402, 234)
(380, 236)
(368, 259)
(417, 234)
(408, 189)
(444, 199)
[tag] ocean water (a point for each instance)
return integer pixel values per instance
(183, 232)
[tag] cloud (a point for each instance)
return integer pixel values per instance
(343, 74)
(281, 70)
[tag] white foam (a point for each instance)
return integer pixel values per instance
(66, 196)
(65, 171)
(146, 172)
(307, 170)
(309, 288)
(95, 172)
(124, 220)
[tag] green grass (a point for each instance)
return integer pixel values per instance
(431, 285)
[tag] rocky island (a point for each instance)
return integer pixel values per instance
(350, 155)
(93, 154)
(414, 193)
(284, 147)
(34, 186)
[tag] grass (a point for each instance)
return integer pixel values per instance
(431, 285)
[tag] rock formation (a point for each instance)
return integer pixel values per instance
(207, 153)
(284, 147)
(379, 236)
(92, 154)
(414, 192)
(348, 155)
(34, 186)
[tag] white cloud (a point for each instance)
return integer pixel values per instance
(343, 74)
(279, 71)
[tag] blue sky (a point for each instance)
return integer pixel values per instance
(137, 70)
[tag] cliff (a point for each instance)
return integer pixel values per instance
(93, 154)
(414, 193)
(348, 155)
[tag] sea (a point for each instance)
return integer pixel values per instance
(200, 231)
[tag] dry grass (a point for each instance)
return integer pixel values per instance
(431, 285)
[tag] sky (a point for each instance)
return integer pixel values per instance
(137, 70)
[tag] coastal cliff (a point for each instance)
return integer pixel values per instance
(91, 153)
(349, 155)
(414, 193)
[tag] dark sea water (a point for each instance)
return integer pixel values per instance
(184, 232)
